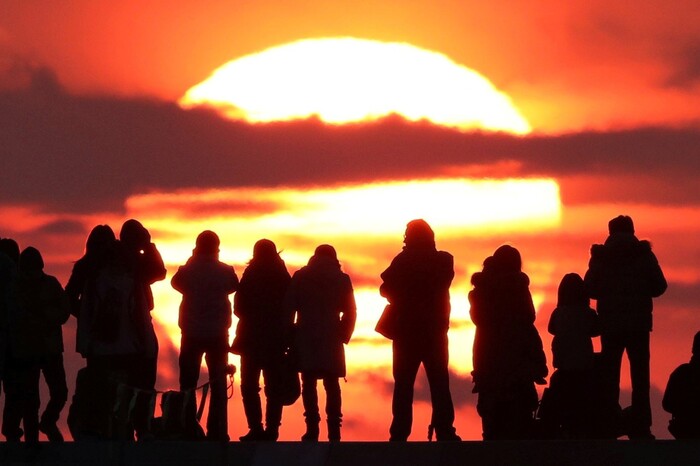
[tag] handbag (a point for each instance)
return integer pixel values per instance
(388, 322)
(285, 386)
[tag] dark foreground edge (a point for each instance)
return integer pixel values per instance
(540, 453)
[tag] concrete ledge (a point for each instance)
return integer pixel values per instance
(539, 453)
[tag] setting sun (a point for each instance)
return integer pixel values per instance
(343, 80)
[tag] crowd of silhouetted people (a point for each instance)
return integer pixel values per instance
(292, 331)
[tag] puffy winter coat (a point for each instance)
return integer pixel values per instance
(573, 326)
(623, 276)
(322, 297)
(205, 284)
(507, 347)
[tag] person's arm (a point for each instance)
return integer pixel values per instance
(56, 307)
(349, 313)
(153, 266)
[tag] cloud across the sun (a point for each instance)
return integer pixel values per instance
(88, 153)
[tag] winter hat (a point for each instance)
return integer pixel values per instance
(326, 250)
(621, 224)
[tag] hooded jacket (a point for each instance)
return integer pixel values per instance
(322, 297)
(623, 276)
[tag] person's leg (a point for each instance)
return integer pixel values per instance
(309, 397)
(217, 419)
(435, 361)
(55, 377)
(612, 348)
(638, 353)
(250, 393)
(405, 368)
(30, 400)
(190, 361)
(334, 412)
(12, 411)
(273, 407)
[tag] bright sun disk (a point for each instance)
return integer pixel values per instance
(343, 80)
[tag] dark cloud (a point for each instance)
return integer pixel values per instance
(686, 74)
(62, 227)
(90, 153)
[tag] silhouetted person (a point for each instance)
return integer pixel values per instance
(99, 248)
(261, 337)
(36, 346)
(205, 318)
(107, 301)
(9, 259)
(322, 297)
(508, 354)
(682, 397)
(573, 324)
(417, 285)
(146, 265)
(623, 276)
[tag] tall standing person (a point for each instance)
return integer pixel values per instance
(261, 337)
(417, 286)
(147, 267)
(205, 317)
(623, 276)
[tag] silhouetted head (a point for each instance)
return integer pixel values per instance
(134, 235)
(419, 234)
(100, 240)
(324, 253)
(30, 261)
(10, 248)
(621, 224)
(506, 259)
(696, 345)
(326, 250)
(207, 243)
(572, 291)
(265, 250)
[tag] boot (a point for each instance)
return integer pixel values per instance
(311, 434)
(333, 430)
(255, 434)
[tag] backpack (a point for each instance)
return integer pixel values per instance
(114, 301)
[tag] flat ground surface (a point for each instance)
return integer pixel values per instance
(540, 453)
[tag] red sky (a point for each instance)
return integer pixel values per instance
(89, 129)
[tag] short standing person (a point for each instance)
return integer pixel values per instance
(417, 286)
(682, 397)
(205, 318)
(573, 324)
(508, 355)
(322, 297)
(261, 337)
(623, 276)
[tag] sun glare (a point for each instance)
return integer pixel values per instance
(344, 80)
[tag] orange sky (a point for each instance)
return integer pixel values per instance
(91, 134)
(568, 66)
